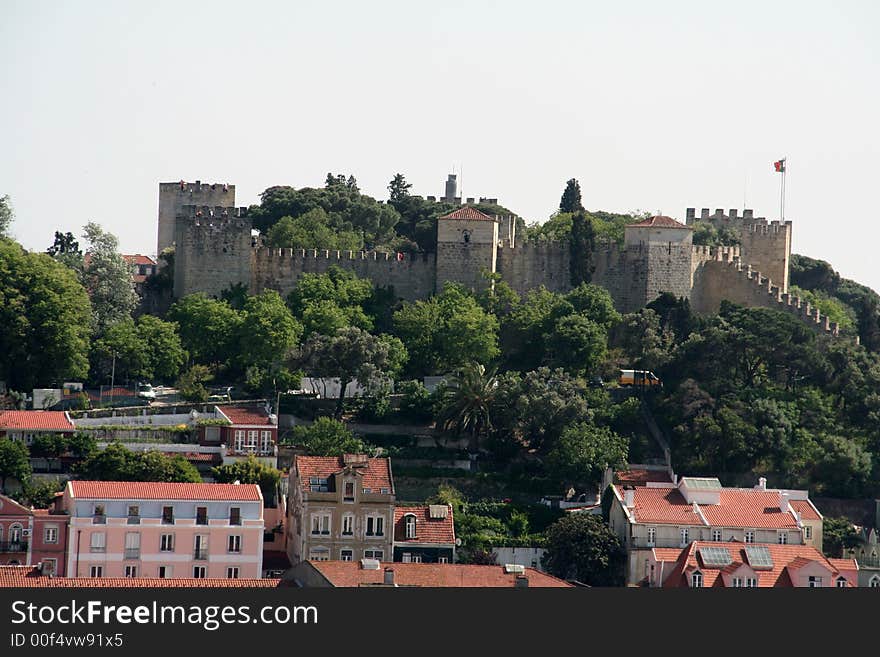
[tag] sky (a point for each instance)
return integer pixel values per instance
(651, 106)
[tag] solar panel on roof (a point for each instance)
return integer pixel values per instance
(716, 556)
(759, 556)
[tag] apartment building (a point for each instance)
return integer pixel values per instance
(33, 536)
(252, 430)
(673, 514)
(341, 508)
(164, 530)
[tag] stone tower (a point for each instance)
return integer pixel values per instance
(174, 196)
(467, 245)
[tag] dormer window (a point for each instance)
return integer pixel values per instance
(409, 524)
(841, 582)
(318, 484)
(368, 490)
(697, 579)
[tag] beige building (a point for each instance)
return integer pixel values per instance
(341, 508)
(673, 514)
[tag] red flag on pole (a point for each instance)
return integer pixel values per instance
(779, 166)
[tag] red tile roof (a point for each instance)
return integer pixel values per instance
(783, 557)
(641, 476)
(739, 507)
(659, 221)
(376, 474)
(144, 490)
(440, 531)
(468, 213)
(350, 574)
(246, 415)
(28, 576)
(138, 259)
(40, 420)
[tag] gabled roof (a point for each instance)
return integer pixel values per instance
(9, 506)
(428, 530)
(138, 259)
(146, 490)
(376, 473)
(251, 415)
(30, 577)
(659, 221)
(468, 213)
(37, 420)
(350, 574)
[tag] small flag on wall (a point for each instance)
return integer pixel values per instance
(779, 166)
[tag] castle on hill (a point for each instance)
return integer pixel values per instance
(214, 249)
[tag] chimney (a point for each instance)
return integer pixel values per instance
(629, 497)
(783, 502)
(762, 483)
(389, 577)
(521, 582)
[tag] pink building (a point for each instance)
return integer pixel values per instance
(164, 530)
(252, 430)
(15, 533)
(33, 536)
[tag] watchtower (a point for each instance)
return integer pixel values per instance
(174, 196)
(467, 244)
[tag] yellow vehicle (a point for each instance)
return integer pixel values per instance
(638, 378)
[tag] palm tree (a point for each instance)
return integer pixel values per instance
(466, 401)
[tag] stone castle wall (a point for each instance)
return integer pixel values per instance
(529, 266)
(173, 197)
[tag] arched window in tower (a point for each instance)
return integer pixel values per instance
(466, 236)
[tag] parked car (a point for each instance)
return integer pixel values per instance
(596, 382)
(145, 391)
(639, 378)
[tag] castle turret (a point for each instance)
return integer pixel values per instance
(174, 196)
(467, 244)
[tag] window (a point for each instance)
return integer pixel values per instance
(201, 515)
(368, 490)
(232, 572)
(348, 525)
(684, 534)
(374, 554)
(446, 560)
(417, 558)
(200, 548)
(167, 515)
(652, 535)
(131, 571)
(98, 517)
(814, 582)
(375, 526)
(166, 543)
(384, 491)
(252, 440)
(98, 542)
(349, 491)
(235, 515)
(318, 484)
(319, 554)
(782, 537)
(164, 572)
(697, 579)
(15, 533)
(132, 545)
(737, 582)
(841, 582)
(750, 536)
(134, 515)
(716, 535)
(346, 555)
(409, 522)
(239, 440)
(406, 557)
(199, 572)
(234, 543)
(874, 583)
(808, 532)
(96, 571)
(265, 442)
(321, 524)
(50, 534)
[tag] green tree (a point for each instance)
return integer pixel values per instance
(49, 446)
(583, 452)
(118, 463)
(398, 188)
(349, 354)
(577, 344)
(107, 278)
(207, 328)
(582, 247)
(844, 468)
(44, 320)
(466, 403)
(191, 383)
(41, 494)
(330, 301)
(582, 547)
(838, 535)
(164, 352)
(571, 197)
(82, 445)
(327, 437)
(119, 353)
(7, 215)
(15, 462)
(312, 230)
(65, 249)
(251, 471)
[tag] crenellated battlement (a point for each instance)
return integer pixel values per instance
(211, 212)
(763, 227)
(704, 252)
(264, 252)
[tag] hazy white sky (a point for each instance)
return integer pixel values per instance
(651, 105)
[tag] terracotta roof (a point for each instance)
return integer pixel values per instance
(11, 507)
(376, 475)
(48, 420)
(738, 507)
(28, 576)
(844, 564)
(145, 490)
(659, 221)
(428, 530)
(783, 557)
(468, 213)
(350, 574)
(246, 415)
(641, 476)
(138, 259)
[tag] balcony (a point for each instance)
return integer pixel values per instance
(132, 553)
(134, 520)
(200, 554)
(99, 519)
(13, 546)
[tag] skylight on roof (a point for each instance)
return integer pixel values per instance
(705, 483)
(716, 556)
(759, 556)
